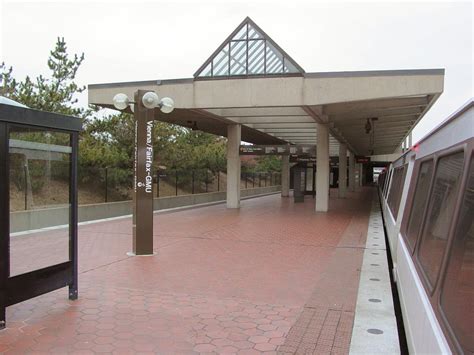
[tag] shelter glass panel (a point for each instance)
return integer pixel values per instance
(241, 34)
(253, 33)
(274, 60)
(40, 174)
(220, 63)
(238, 58)
(207, 70)
(458, 289)
(289, 67)
(256, 55)
(419, 202)
(440, 213)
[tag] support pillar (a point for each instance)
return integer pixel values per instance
(143, 179)
(361, 175)
(322, 168)
(285, 176)
(233, 166)
(410, 140)
(357, 177)
(342, 170)
(351, 172)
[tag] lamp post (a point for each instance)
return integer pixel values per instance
(143, 108)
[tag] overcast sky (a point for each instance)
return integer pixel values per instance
(132, 41)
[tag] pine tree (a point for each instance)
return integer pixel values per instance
(56, 93)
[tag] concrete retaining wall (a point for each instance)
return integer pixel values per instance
(49, 217)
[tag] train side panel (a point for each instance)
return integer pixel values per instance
(424, 334)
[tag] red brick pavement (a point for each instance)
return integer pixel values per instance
(272, 276)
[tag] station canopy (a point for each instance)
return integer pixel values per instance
(252, 81)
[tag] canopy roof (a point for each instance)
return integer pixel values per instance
(250, 80)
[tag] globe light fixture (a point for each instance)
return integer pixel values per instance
(121, 101)
(166, 105)
(150, 100)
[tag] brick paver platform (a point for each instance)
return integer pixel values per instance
(271, 277)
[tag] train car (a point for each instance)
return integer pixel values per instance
(427, 199)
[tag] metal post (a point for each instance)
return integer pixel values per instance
(206, 180)
(143, 179)
(176, 181)
(106, 183)
(218, 180)
(26, 186)
(259, 179)
(192, 182)
(157, 183)
(253, 180)
(4, 220)
(73, 243)
(245, 180)
(305, 178)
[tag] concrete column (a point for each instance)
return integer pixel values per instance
(233, 166)
(322, 168)
(285, 176)
(358, 176)
(342, 170)
(351, 172)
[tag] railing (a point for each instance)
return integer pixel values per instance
(98, 185)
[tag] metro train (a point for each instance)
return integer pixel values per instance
(427, 199)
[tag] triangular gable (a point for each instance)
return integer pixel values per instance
(248, 51)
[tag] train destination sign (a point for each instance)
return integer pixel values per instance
(302, 159)
(361, 159)
(309, 150)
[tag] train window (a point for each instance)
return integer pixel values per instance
(401, 181)
(392, 194)
(457, 295)
(396, 190)
(419, 202)
(387, 185)
(440, 213)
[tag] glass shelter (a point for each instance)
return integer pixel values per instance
(38, 204)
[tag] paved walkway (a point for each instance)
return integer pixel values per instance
(272, 277)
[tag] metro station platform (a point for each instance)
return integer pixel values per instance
(273, 276)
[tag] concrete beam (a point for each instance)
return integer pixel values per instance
(384, 157)
(281, 125)
(311, 90)
(293, 135)
(241, 112)
(406, 102)
(379, 124)
(272, 119)
(393, 112)
(233, 166)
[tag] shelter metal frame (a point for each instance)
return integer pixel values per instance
(22, 287)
